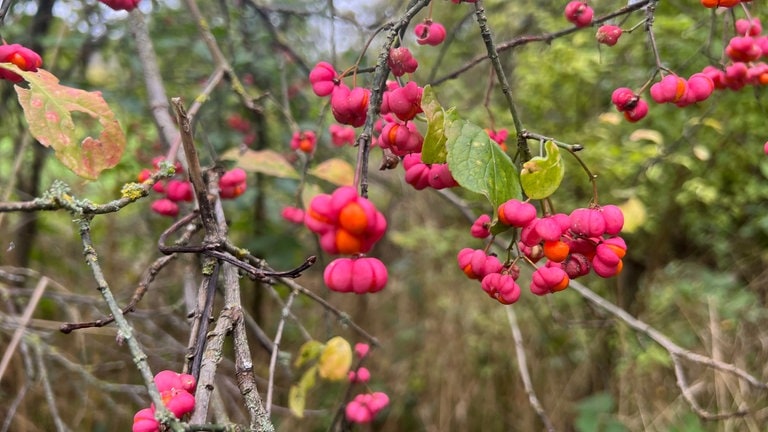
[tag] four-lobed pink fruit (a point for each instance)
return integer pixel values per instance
(364, 407)
(401, 61)
(579, 13)
(429, 33)
(358, 275)
(608, 34)
(476, 264)
(21, 56)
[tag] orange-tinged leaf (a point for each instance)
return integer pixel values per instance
(335, 360)
(49, 106)
(267, 162)
(336, 171)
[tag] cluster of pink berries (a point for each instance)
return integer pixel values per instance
(681, 92)
(574, 244)
(176, 390)
(231, 185)
(364, 407)
(630, 104)
(421, 175)
(744, 50)
(23, 57)
(348, 224)
(349, 106)
(304, 141)
(293, 215)
(499, 137)
(242, 125)
(341, 135)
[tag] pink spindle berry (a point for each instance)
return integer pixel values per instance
(322, 77)
(23, 57)
(765, 148)
(547, 280)
(304, 141)
(429, 33)
(700, 87)
(362, 375)
(401, 61)
(606, 262)
(144, 421)
(743, 49)
(481, 227)
(671, 88)
(126, 5)
(341, 135)
(579, 13)
(293, 215)
(359, 275)
(349, 107)
(440, 177)
(144, 175)
(357, 412)
(638, 112)
(165, 207)
(614, 219)
(576, 265)
(516, 213)
(528, 235)
(232, 184)
(401, 139)
(475, 263)
(167, 380)
(501, 287)
(178, 190)
(403, 102)
(362, 349)
(588, 222)
(416, 172)
(624, 98)
(178, 401)
(749, 28)
(548, 229)
(608, 34)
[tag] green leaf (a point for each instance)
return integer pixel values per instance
(308, 352)
(479, 165)
(541, 176)
(297, 395)
(262, 161)
(336, 171)
(438, 121)
(49, 106)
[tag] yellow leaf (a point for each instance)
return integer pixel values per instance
(309, 351)
(267, 162)
(336, 171)
(647, 134)
(335, 360)
(297, 395)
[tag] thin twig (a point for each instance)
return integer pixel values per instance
(522, 366)
(23, 321)
(49, 397)
(276, 350)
